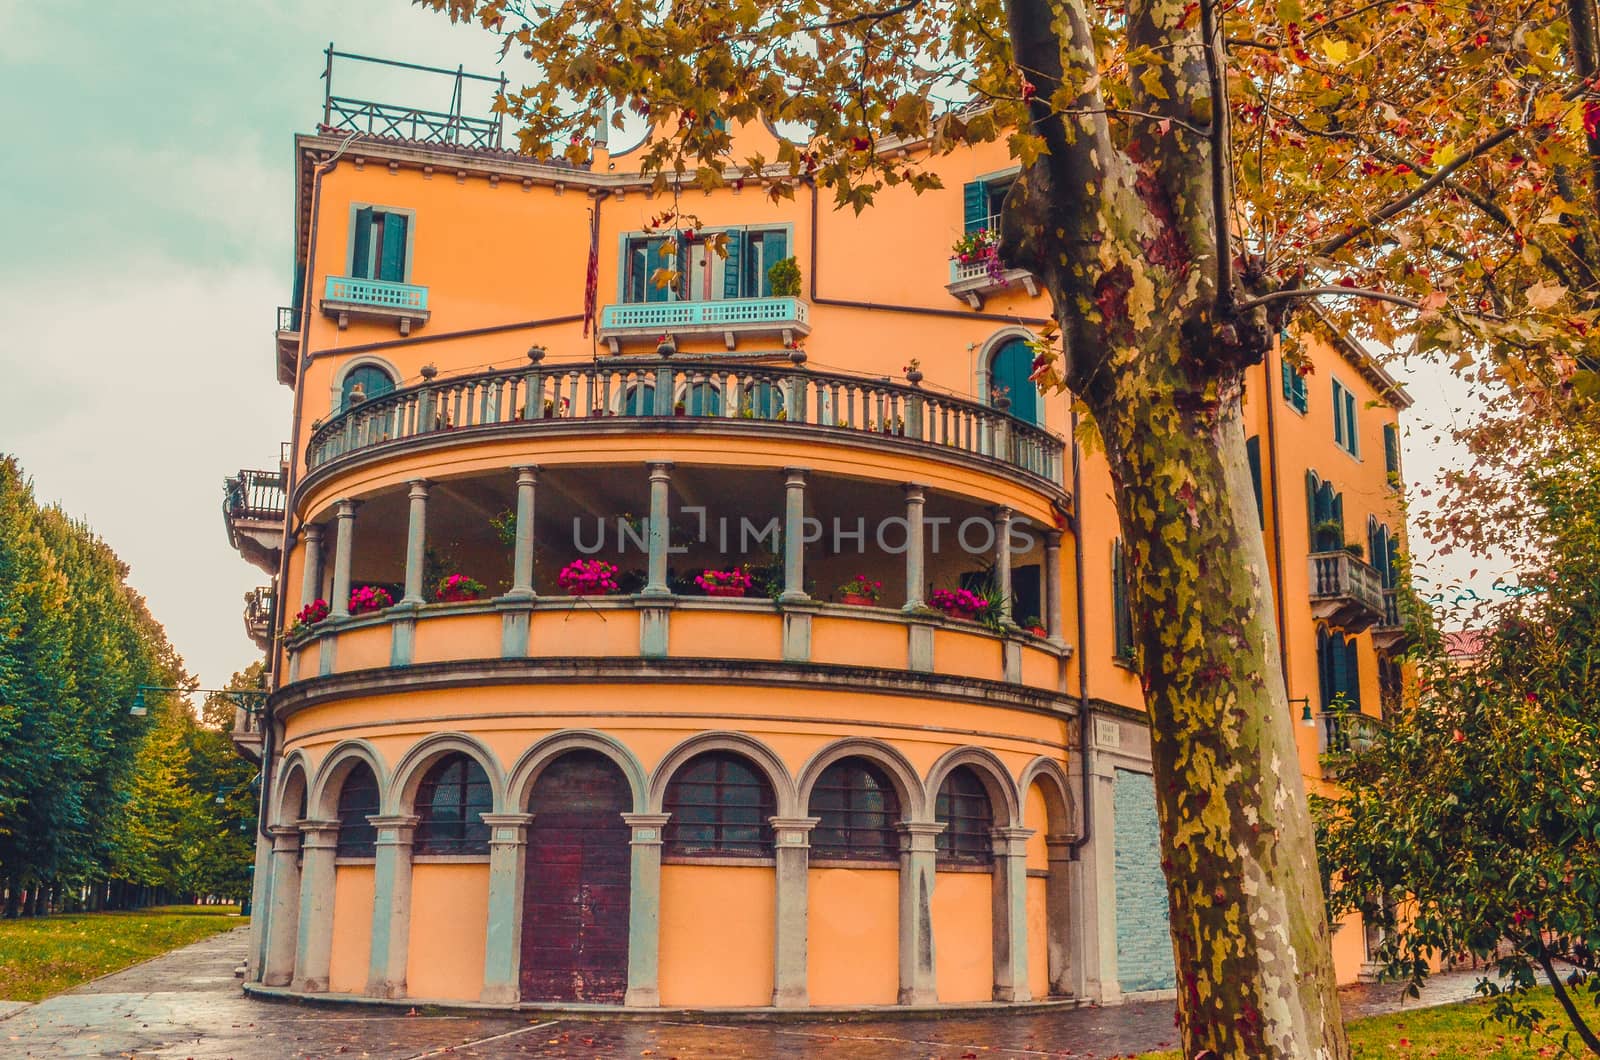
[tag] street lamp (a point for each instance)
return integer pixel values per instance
(251, 701)
(1305, 711)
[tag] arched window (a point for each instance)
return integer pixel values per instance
(964, 809)
(373, 381)
(358, 799)
(1336, 670)
(450, 801)
(637, 399)
(858, 810)
(1383, 552)
(1325, 512)
(1009, 369)
(701, 399)
(720, 803)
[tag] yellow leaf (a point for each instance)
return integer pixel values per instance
(1544, 295)
(1337, 50)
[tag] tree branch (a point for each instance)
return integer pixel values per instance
(1291, 293)
(1573, 1015)
(1221, 153)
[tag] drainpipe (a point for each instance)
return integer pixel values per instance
(1085, 744)
(280, 598)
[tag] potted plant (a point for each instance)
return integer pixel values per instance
(784, 278)
(588, 577)
(958, 603)
(861, 591)
(368, 599)
(314, 612)
(723, 582)
(456, 588)
(1355, 549)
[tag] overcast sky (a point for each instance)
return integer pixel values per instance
(146, 216)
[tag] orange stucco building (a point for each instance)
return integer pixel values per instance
(646, 790)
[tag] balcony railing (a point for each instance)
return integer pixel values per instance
(970, 281)
(254, 495)
(381, 294)
(1345, 732)
(1345, 590)
(289, 319)
(1390, 629)
(258, 616)
(665, 316)
(453, 127)
(641, 388)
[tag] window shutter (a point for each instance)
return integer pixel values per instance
(1339, 668)
(1352, 677)
(774, 248)
(1391, 449)
(1288, 382)
(1325, 667)
(1338, 415)
(1300, 401)
(1313, 516)
(392, 265)
(1121, 610)
(1252, 449)
(361, 246)
(732, 266)
(975, 206)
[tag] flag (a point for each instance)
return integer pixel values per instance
(591, 280)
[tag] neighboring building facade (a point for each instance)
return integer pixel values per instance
(657, 796)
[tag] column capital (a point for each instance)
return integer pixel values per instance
(792, 831)
(311, 532)
(507, 829)
(1003, 512)
(527, 474)
(319, 835)
(915, 491)
(394, 829)
(285, 838)
(1011, 842)
(647, 827)
(1052, 538)
(659, 470)
(419, 487)
(795, 475)
(917, 837)
(347, 509)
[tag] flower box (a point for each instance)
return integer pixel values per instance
(861, 591)
(588, 577)
(458, 588)
(369, 599)
(724, 582)
(958, 603)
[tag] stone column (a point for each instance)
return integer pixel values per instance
(1002, 562)
(791, 850)
(341, 559)
(522, 554)
(917, 983)
(311, 572)
(916, 558)
(391, 906)
(314, 945)
(283, 914)
(1052, 587)
(502, 959)
(794, 549)
(1058, 915)
(644, 910)
(660, 477)
(1010, 892)
(416, 540)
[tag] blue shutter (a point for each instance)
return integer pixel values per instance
(734, 264)
(1009, 370)
(1352, 676)
(1339, 668)
(653, 261)
(774, 248)
(1391, 449)
(1252, 451)
(361, 246)
(392, 264)
(975, 206)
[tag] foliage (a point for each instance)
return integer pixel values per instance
(459, 587)
(42, 957)
(862, 586)
(1472, 825)
(784, 278)
(504, 525)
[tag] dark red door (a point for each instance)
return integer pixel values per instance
(575, 900)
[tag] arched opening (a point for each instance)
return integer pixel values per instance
(636, 399)
(1010, 368)
(857, 809)
(451, 799)
(963, 907)
(363, 383)
(1049, 889)
(358, 800)
(576, 891)
(720, 803)
(963, 807)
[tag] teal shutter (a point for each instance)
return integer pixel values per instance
(732, 266)
(1121, 612)
(1338, 415)
(1352, 438)
(1009, 370)
(1252, 450)
(392, 262)
(1339, 667)
(653, 260)
(1352, 677)
(1311, 507)
(975, 206)
(774, 248)
(361, 246)
(1391, 449)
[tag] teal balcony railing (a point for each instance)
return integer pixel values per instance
(383, 294)
(665, 316)
(694, 394)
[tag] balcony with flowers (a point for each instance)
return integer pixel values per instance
(976, 272)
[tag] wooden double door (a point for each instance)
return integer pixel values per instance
(575, 894)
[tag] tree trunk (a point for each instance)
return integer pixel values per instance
(1249, 928)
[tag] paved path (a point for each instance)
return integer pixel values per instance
(188, 1004)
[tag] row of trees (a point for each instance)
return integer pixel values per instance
(98, 806)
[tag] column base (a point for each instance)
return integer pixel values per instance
(500, 994)
(385, 988)
(642, 997)
(277, 979)
(309, 986)
(918, 995)
(1012, 994)
(793, 997)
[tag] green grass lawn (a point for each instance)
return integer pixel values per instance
(50, 954)
(1452, 1032)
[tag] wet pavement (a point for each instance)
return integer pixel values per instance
(189, 1004)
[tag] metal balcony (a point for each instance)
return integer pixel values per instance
(252, 510)
(345, 297)
(287, 338)
(1346, 591)
(731, 318)
(258, 616)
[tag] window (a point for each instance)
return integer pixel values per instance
(1324, 514)
(1010, 369)
(1383, 552)
(858, 810)
(1121, 609)
(450, 801)
(1344, 419)
(1391, 453)
(963, 807)
(380, 244)
(720, 804)
(1252, 452)
(1337, 672)
(1294, 388)
(982, 201)
(636, 399)
(372, 381)
(703, 274)
(358, 799)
